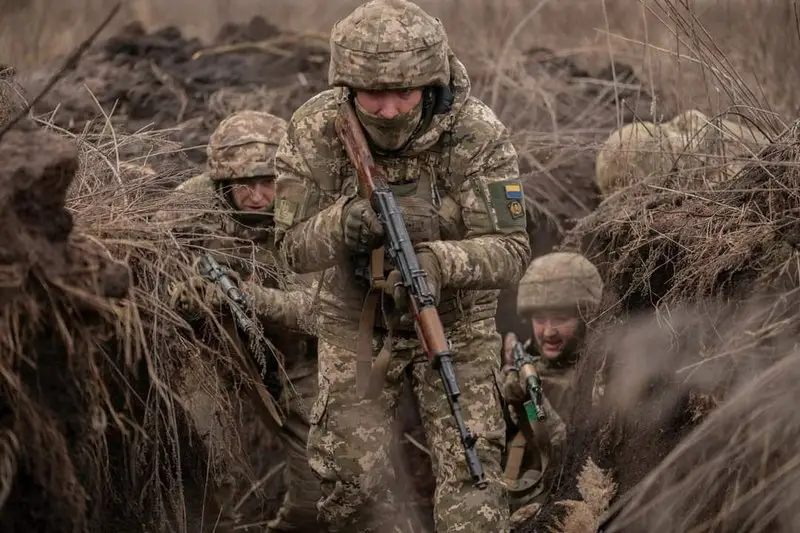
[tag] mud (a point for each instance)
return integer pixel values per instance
(152, 81)
(55, 333)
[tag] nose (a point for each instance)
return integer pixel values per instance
(388, 109)
(256, 193)
(549, 330)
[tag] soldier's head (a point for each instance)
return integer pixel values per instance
(630, 154)
(556, 292)
(393, 57)
(241, 161)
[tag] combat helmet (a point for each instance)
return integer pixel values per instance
(631, 153)
(244, 146)
(389, 44)
(559, 281)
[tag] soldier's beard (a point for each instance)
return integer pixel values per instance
(390, 134)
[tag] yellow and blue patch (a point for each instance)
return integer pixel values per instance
(513, 192)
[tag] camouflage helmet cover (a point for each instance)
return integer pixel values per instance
(631, 153)
(388, 44)
(244, 146)
(559, 281)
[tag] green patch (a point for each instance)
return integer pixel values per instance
(508, 204)
(530, 410)
(285, 211)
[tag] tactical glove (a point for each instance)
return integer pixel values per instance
(429, 263)
(362, 230)
(190, 297)
(512, 390)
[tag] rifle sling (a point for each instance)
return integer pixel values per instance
(516, 453)
(371, 375)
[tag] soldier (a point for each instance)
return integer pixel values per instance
(697, 148)
(455, 173)
(558, 291)
(241, 173)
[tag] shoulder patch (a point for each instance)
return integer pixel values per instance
(507, 201)
(513, 191)
(285, 211)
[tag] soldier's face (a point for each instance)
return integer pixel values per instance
(553, 333)
(253, 195)
(389, 104)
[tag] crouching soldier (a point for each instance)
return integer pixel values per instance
(240, 175)
(556, 294)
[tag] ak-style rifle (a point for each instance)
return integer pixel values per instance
(400, 250)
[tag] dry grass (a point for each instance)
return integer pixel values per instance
(766, 51)
(655, 243)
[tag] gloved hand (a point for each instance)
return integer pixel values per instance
(429, 263)
(512, 390)
(189, 297)
(362, 230)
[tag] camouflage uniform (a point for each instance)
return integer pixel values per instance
(697, 146)
(243, 146)
(555, 282)
(457, 181)
(200, 183)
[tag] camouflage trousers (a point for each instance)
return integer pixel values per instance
(350, 438)
(298, 511)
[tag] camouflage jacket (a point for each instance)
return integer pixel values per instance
(462, 164)
(281, 299)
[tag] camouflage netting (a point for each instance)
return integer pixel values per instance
(720, 265)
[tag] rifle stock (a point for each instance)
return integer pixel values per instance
(398, 245)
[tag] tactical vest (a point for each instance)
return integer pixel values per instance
(428, 196)
(431, 210)
(528, 453)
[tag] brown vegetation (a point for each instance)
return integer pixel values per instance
(93, 362)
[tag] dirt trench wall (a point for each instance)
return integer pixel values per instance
(701, 294)
(78, 407)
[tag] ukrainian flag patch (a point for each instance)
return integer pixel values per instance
(513, 192)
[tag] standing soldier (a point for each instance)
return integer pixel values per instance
(454, 171)
(241, 174)
(556, 294)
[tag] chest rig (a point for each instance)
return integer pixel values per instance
(431, 212)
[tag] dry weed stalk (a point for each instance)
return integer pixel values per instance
(738, 471)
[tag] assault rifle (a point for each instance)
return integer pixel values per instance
(269, 374)
(422, 303)
(530, 381)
